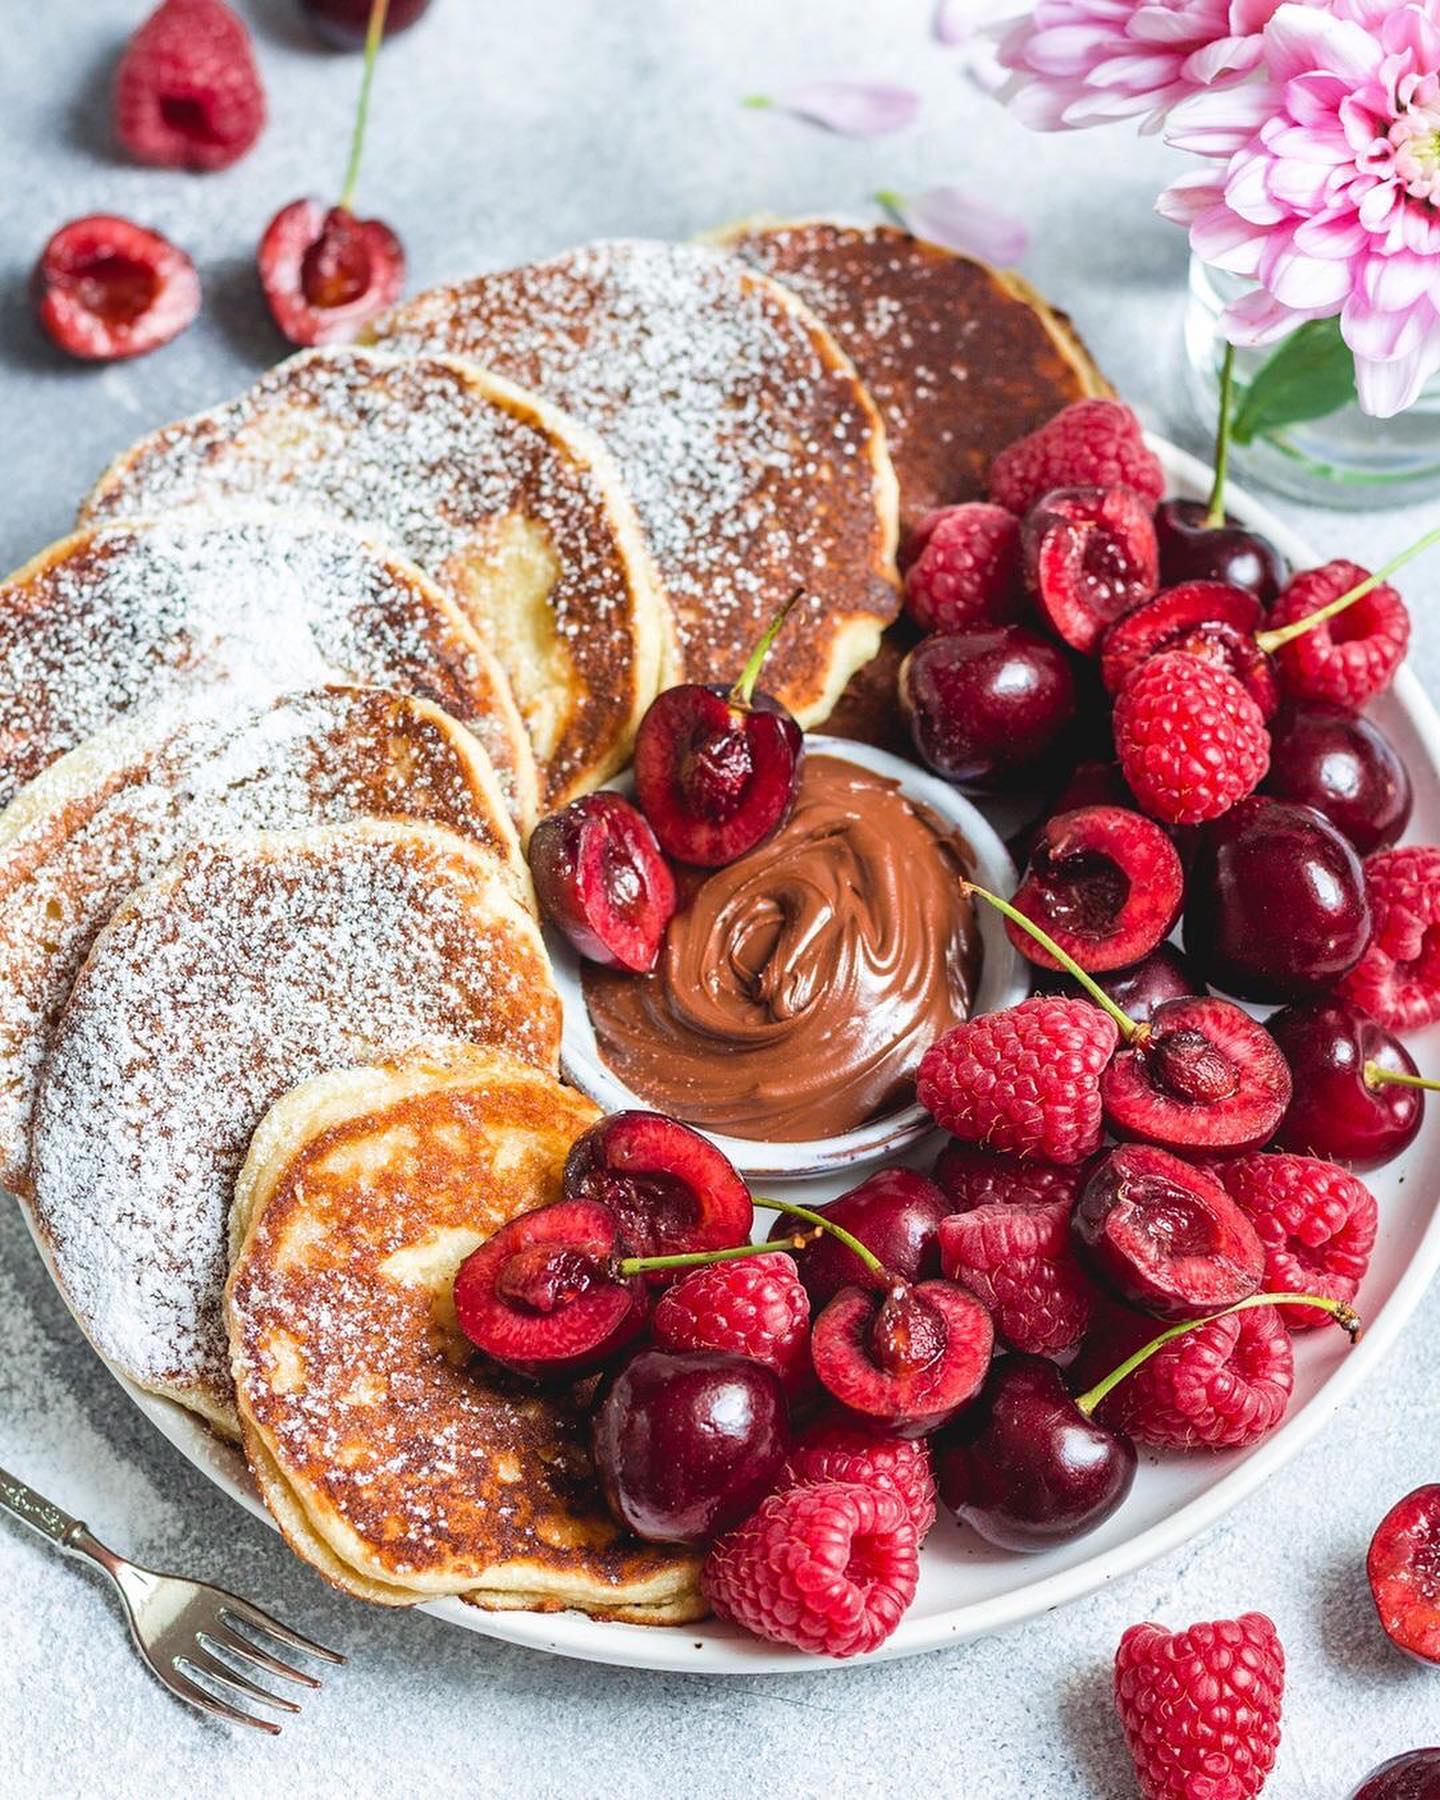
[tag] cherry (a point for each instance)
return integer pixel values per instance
(895, 1214)
(1164, 1235)
(1193, 548)
(905, 1356)
(343, 22)
(601, 878)
(671, 1191)
(716, 770)
(1415, 1775)
(105, 289)
(1201, 618)
(1341, 763)
(1165, 974)
(1404, 1570)
(1106, 884)
(688, 1443)
(1276, 907)
(1354, 1102)
(1090, 557)
(989, 709)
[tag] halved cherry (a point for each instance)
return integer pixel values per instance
(905, 1357)
(602, 879)
(1090, 557)
(326, 274)
(671, 1191)
(1164, 1235)
(1105, 883)
(1404, 1570)
(105, 289)
(1205, 619)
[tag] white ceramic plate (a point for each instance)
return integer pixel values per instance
(967, 1589)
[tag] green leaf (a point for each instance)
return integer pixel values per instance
(1310, 376)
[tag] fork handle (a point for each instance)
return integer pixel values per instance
(40, 1514)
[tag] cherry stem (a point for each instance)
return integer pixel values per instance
(1375, 1076)
(1130, 1029)
(701, 1259)
(374, 31)
(867, 1256)
(1344, 1316)
(893, 202)
(1271, 641)
(1215, 509)
(744, 689)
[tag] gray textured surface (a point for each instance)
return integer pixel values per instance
(502, 132)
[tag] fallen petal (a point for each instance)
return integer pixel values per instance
(853, 108)
(952, 218)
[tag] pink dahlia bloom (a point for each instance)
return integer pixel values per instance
(1085, 62)
(1327, 193)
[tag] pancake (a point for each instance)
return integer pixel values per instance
(754, 456)
(961, 358)
(127, 617)
(250, 966)
(514, 510)
(112, 814)
(362, 1194)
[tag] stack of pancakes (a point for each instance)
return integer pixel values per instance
(279, 1038)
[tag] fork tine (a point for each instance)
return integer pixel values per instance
(252, 1615)
(180, 1683)
(208, 1663)
(228, 1638)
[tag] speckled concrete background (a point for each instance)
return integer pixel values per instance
(501, 132)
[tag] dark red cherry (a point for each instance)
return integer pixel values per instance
(904, 1357)
(1275, 906)
(1342, 1107)
(601, 878)
(670, 1189)
(1342, 764)
(1025, 1467)
(326, 274)
(688, 1443)
(1090, 558)
(1415, 1775)
(1164, 975)
(1193, 550)
(895, 1213)
(1105, 883)
(343, 22)
(1203, 619)
(1164, 1235)
(1404, 1570)
(989, 709)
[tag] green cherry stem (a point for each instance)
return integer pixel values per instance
(1344, 1316)
(1215, 508)
(701, 1259)
(743, 691)
(1129, 1028)
(1376, 1077)
(1271, 641)
(374, 31)
(847, 1238)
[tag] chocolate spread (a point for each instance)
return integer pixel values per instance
(799, 987)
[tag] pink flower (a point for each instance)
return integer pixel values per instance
(1328, 189)
(1085, 62)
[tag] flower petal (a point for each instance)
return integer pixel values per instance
(951, 217)
(852, 108)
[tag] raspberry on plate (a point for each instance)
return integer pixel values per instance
(755, 1307)
(965, 568)
(829, 1569)
(1316, 1220)
(1201, 1708)
(1191, 741)
(1397, 980)
(187, 91)
(1095, 443)
(1349, 658)
(971, 1177)
(1020, 1261)
(1222, 1386)
(1025, 1080)
(833, 1449)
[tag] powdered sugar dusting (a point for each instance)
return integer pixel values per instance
(253, 966)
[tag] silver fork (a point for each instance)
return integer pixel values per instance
(182, 1628)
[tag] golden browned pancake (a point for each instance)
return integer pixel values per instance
(961, 358)
(250, 966)
(513, 509)
(754, 456)
(112, 814)
(397, 1461)
(125, 617)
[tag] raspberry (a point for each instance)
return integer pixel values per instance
(829, 1569)
(105, 288)
(756, 1307)
(1190, 739)
(1026, 1080)
(1398, 978)
(1351, 657)
(1316, 1221)
(965, 568)
(1201, 1708)
(970, 1178)
(834, 1450)
(187, 92)
(1219, 1387)
(1095, 443)
(1018, 1260)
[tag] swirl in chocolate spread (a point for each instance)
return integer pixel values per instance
(799, 987)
